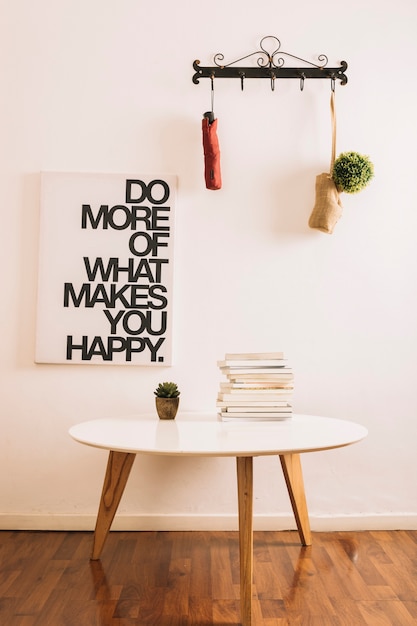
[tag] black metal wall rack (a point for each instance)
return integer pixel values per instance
(271, 64)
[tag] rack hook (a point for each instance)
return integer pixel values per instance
(273, 81)
(242, 78)
(302, 79)
(332, 82)
(212, 93)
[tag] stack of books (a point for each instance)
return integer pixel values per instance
(259, 387)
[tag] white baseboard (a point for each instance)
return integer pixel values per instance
(331, 523)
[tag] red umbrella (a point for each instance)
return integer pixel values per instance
(211, 147)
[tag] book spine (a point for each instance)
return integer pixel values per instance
(253, 363)
(226, 397)
(252, 356)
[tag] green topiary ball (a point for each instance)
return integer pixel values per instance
(352, 172)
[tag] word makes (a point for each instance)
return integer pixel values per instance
(111, 295)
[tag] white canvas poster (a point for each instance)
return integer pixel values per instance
(105, 269)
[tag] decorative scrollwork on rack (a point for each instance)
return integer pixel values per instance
(270, 63)
(268, 59)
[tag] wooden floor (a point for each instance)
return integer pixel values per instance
(192, 578)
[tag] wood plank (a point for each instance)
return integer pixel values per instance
(222, 583)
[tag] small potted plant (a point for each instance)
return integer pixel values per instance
(167, 400)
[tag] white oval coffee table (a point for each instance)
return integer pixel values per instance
(201, 434)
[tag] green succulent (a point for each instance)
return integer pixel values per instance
(352, 172)
(167, 390)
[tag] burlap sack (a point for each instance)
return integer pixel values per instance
(328, 206)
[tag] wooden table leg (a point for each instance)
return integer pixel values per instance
(293, 474)
(117, 473)
(245, 500)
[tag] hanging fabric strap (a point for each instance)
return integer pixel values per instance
(333, 114)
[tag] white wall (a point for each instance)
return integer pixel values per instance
(104, 86)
